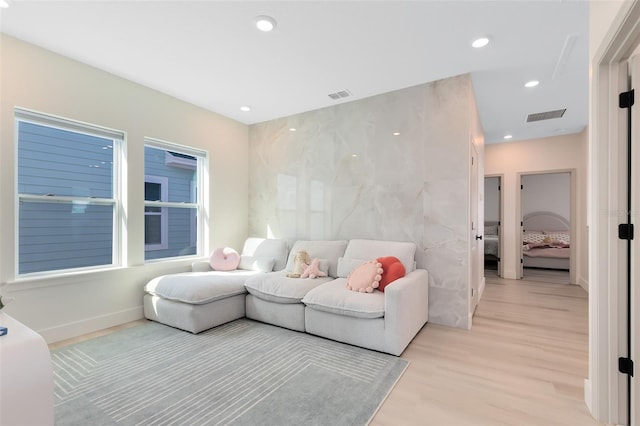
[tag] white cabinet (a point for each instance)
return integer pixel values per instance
(26, 376)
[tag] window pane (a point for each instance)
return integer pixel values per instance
(180, 171)
(54, 236)
(152, 229)
(64, 163)
(170, 177)
(179, 233)
(152, 191)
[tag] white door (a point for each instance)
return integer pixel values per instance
(521, 261)
(635, 243)
(476, 231)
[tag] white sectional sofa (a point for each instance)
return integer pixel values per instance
(276, 299)
(199, 300)
(383, 321)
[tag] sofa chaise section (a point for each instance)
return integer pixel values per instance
(198, 300)
(383, 321)
(276, 299)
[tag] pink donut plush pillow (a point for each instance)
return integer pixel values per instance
(224, 259)
(366, 277)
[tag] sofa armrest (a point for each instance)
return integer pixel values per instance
(406, 309)
(201, 266)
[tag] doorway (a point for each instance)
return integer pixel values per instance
(546, 226)
(493, 225)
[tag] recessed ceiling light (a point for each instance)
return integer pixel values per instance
(532, 83)
(396, 133)
(245, 108)
(4, 4)
(508, 136)
(293, 129)
(265, 23)
(481, 42)
(354, 155)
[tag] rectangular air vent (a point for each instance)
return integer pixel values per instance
(339, 95)
(548, 115)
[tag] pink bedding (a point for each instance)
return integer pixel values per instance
(555, 252)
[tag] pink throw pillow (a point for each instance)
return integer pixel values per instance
(224, 259)
(365, 278)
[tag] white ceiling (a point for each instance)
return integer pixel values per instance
(210, 54)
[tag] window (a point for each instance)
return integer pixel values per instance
(173, 181)
(68, 194)
(156, 220)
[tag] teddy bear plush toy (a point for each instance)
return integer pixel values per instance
(313, 270)
(300, 263)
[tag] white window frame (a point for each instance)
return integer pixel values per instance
(118, 144)
(193, 225)
(200, 234)
(164, 212)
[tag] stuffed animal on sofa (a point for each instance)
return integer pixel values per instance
(300, 263)
(313, 270)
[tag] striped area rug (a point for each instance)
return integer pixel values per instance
(241, 373)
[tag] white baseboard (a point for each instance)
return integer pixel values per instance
(587, 396)
(483, 282)
(510, 274)
(89, 325)
(583, 283)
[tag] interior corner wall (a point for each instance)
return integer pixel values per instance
(41, 80)
(343, 174)
(553, 154)
(547, 192)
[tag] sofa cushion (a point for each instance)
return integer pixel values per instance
(345, 266)
(373, 249)
(269, 248)
(253, 263)
(323, 249)
(224, 259)
(277, 287)
(335, 298)
(199, 287)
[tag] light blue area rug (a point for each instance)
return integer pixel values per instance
(241, 373)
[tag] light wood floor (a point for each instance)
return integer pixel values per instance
(523, 362)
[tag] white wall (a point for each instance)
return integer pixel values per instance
(410, 187)
(41, 80)
(553, 154)
(547, 192)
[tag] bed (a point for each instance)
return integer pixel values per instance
(546, 242)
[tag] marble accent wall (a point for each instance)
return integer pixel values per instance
(344, 174)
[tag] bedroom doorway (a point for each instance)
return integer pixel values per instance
(492, 225)
(546, 211)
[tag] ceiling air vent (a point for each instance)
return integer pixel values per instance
(548, 115)
(339, 95)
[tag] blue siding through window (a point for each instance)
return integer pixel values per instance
(56, 236)
(63, 235)
(180, 219)
(61, 162)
